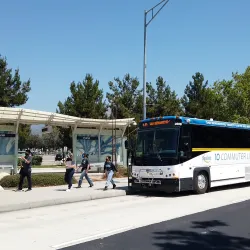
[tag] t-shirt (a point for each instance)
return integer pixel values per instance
(69, 164)
(85, 163)
(108, 165)
(27, 166)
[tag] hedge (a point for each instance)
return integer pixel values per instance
(36, 160)
(38, 180)
(122, 172)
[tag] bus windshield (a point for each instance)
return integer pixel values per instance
(157, 142)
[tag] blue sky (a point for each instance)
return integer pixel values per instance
(56, 42)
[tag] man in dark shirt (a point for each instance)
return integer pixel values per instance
(25, 170)
(85, 168)
(109, 169)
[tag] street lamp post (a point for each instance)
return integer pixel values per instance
(114, 117)
(162, 4)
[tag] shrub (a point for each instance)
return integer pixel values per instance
(36, 160)
(19, 162)
(38, 180)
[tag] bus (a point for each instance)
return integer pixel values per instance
(174, 154)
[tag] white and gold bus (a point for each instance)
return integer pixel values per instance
(174, 154)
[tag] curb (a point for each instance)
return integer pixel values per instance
(61, 201)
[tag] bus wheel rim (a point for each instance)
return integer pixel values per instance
(201, 181)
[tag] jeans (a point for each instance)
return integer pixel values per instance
(23, 174)
(68, 176)
(85, 174)
(110, 178)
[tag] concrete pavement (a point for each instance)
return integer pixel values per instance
(58, 227)
(49, 196)
(49, 160)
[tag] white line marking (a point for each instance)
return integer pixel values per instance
(92, 237)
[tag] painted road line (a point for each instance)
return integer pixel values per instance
(92, 237)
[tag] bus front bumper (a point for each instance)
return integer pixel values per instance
(165, 185)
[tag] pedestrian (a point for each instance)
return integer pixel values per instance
(85, 168)
(25, 170)
(70, 170)
(109, 169)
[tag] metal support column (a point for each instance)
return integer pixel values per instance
(74, 143)
(99, 144)
(14, 170)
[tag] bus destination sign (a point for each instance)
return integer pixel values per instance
(156, 123)
(169, 123)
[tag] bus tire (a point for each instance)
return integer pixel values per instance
(201, 183)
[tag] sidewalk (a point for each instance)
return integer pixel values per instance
(50, 196)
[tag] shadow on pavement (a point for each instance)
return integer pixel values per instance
(206, 239)
(61, 189)
(110, 188)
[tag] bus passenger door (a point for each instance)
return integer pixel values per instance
(185, 150)
(185, 154)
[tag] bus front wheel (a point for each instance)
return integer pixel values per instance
(201, 183)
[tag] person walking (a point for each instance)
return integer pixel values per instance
(25, 171)
(85, 168)
(70, 170)
(109, 169)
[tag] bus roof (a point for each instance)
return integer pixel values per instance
(203, 122)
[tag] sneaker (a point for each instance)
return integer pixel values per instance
(68, 190)
(114, 186)
(18, 190)
(78, 186)
(106, 188)
(91, 185)
(29, 189)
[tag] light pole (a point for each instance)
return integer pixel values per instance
(162, 4)
(114, 116)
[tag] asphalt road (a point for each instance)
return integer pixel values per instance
(224, 228)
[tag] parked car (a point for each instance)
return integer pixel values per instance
(58, 157)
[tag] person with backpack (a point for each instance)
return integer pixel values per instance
(85, 168)
(109, 169)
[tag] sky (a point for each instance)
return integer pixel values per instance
(56, 42)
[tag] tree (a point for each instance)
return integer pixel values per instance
(13, 92)
(234, 98)
(86, 100)
(126, 97)
(35, 141)
(196, 100)
(24, 133)
(162, 101)
(53, 139)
